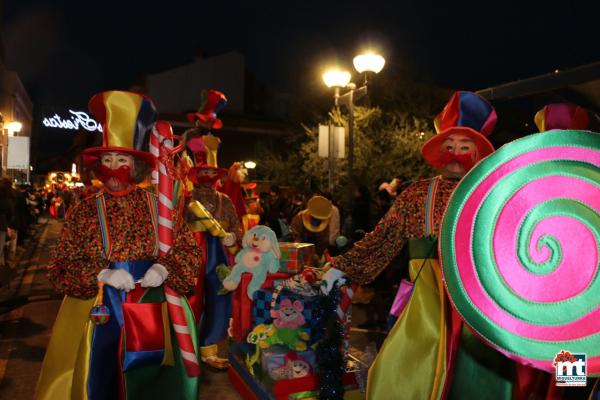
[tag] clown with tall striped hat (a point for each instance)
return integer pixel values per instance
(112, 338)
(214, 222)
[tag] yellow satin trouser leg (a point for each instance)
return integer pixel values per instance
(412, 361)
(57, 376)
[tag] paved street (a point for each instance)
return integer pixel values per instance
(27, 311)
(28, 308)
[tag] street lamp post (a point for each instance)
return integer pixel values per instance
(249, 165)
(336, 78)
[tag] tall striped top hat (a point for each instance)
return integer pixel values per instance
(127, 119)
(467, 114)
(203, 150)
(213, 102)
(562, 116)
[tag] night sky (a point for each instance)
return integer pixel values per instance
(66, 50)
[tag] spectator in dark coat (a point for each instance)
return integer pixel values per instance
(7, 213)
(276, 210)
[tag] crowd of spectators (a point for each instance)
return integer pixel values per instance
(281, 206)
(20, 208)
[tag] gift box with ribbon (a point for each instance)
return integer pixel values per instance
(262, 307)
(241, 322)
(294, 256)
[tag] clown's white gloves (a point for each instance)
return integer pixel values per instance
(117, 278)
(229, 239)
(155, 276)
(329, 278)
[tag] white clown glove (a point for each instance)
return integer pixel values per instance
(117, 278)
(155, 276)
(330, 277)
(229, 239)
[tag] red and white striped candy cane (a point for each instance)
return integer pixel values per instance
(164, 137)
(154, 150)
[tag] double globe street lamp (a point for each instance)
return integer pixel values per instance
(337, 78)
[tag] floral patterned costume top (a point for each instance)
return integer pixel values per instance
(405, 220)
(77, 258)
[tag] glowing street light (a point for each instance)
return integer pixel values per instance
(336, 77)
(250, 164)
(369, 62)
(13, 126)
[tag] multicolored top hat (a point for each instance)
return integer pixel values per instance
(562, 116)
(467, 114)
(204, 155)
(317, 214)
(127, 119)
(213, 102)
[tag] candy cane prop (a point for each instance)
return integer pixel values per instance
(164, 137)
(154, 150)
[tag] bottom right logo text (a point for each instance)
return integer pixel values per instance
(571, 369)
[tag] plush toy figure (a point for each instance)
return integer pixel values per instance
(260, 334)
(288, 315)
(285, 330)
(294, 367)
(265, 336)
(260, 255)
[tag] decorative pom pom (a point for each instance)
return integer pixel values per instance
(100, 314)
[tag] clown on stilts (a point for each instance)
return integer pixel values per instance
(113, 338)
(212, 217)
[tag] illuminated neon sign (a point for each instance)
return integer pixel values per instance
(75, 121)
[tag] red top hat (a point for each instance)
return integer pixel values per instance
(467, 114)
(126, 119)
(213, 102)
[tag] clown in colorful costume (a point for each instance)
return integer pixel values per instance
(428, 330)
(111, 238)
(212, 310)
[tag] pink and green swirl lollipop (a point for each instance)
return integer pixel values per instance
(520, 248)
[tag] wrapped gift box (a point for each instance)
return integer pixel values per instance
(275, 358)
(261, 309)
(241, 322)
(294, 256)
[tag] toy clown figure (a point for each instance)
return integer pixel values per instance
(233, 187)
(212, 309)
(416, 360)
(107, 259)
(253, 208)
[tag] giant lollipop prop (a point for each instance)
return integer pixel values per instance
(520, 248)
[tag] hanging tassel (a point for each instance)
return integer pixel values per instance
(100, 314)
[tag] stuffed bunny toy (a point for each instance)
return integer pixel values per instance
(260, 254)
